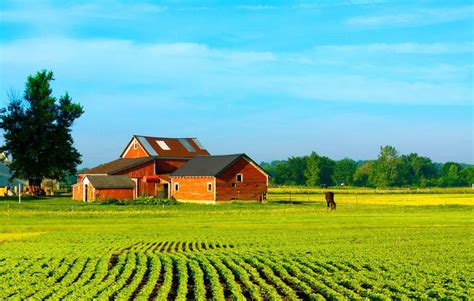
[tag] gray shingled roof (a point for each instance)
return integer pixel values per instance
(111, 181)
(206, 165)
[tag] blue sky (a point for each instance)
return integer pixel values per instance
(273, 78)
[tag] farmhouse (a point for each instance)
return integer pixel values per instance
(180, 168)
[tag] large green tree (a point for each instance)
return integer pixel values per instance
(37, 132)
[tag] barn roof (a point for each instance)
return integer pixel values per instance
(117, 165)
(169, 147)
(210, 165)
(98, 181)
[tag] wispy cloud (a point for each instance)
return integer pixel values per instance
(257, 7)
(416, 18)
(194, 71)
(305, 5)
(37, 12)
(401, 48)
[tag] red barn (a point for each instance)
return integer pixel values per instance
(219, 178)
(153, 163)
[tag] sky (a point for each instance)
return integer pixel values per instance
(272, 79)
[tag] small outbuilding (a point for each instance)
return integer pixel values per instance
(210, 179)
(103, 187)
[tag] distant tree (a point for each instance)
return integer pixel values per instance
(415, 170)
(296, 170)
(361, 175)
(281, 173)
(344, 171)
(326, 169)
(468, 174)
(319, 170)
(405, 173)
(312, 171)
(37, 132)
(451, 175)
(385, 172)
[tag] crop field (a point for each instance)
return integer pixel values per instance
(380, 246)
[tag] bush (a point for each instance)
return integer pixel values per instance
(143, 200)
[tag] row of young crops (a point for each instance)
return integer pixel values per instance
(139, 272)
(176, 246)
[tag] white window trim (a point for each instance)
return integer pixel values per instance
(215, 190)
(135, 144)
(209, 184)
(135, 192)
(237, 178)
(129, 147)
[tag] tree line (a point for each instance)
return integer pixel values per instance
(390, 169)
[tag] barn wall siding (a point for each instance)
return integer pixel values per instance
(192, 188)
(167, 166)
(145, 169)
(253, 187)
(77, 193)
(90, 193)
(116, 193)
(135, 153)
(138, 172)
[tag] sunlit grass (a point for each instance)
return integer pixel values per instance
(376, 244)
(378, 199)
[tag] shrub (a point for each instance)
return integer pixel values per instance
(143, 200)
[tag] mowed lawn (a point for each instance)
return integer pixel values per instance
(375, 246)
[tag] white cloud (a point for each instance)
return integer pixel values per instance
(375, 90)
(195, 71)
(257, 7)
(416, 18)
(401, 48)
(305, 5)
(38, 13)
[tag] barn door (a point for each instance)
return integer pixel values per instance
(165, 186)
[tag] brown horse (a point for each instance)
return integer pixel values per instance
(330, 200)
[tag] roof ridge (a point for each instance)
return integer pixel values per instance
(228, 155)
(165, 137)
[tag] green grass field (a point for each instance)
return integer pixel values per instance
(375, 246)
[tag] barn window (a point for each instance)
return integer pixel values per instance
(163, 145)
(176, 186)
(209, 186)
(240, 177)
(234, 184)
(135, 145)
